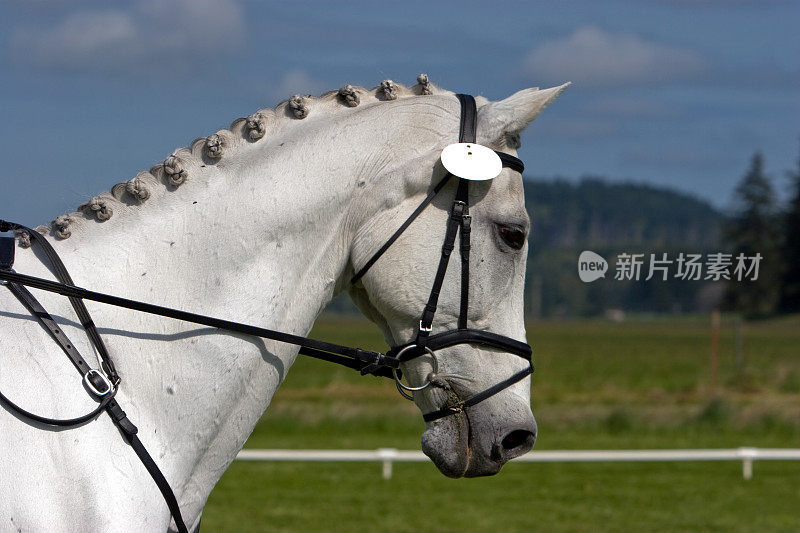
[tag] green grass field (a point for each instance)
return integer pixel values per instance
(598, 385)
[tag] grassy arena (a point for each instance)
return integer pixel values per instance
(598, 385)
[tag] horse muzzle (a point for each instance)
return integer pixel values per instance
(481, 439)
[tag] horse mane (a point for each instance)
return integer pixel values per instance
(173, 172)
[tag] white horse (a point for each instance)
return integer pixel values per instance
(263, 223)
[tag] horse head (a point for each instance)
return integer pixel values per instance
(477, 439)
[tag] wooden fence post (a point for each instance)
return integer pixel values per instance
(714, 362)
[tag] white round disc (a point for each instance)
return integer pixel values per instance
(471, 161)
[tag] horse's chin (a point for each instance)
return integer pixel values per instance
(448, 444)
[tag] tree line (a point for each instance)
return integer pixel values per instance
(760, 224)
(612, 218)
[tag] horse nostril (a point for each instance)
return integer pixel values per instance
(517, 438)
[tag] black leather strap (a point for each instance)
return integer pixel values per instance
(105, 390)
(353, 357)
(509, 161)
(47, 322)
(100, 385)
(80, 309)
(467, 134)
(92, 377)
(420, 208)
(160, 480)
(469, 119)
(455, 337)
(129, 432)
(467, 131)
(465, 229)
(59, 422)
(7, 245)
(478, 398)
(453, 223)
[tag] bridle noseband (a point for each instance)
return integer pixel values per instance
(459, 222)
(103, 383)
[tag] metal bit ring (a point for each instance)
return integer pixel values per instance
(397, 380)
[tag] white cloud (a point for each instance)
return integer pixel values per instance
(593, 57)
(139, 36)
(294, 82)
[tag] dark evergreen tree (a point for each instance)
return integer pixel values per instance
(754, 228)
(790, 286)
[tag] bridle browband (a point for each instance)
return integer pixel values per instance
(103, 383)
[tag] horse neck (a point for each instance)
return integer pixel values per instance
(240, 244)
(247, 237)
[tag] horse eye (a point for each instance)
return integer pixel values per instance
(512, 236)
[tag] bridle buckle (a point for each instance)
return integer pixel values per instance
(423, 329)
(89, 380)
(460, 210)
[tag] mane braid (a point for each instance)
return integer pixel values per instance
(174, 171)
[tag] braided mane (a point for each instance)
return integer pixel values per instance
(173, 172)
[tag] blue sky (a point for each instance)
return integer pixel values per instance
(669, 93)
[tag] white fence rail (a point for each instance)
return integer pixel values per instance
(389, 456)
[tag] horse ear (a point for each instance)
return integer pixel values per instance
(512, 115)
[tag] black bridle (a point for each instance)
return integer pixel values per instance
(104, 382)
(459, 222)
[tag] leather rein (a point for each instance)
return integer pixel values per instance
(104, 382)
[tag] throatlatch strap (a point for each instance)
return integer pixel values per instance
(420, 208)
